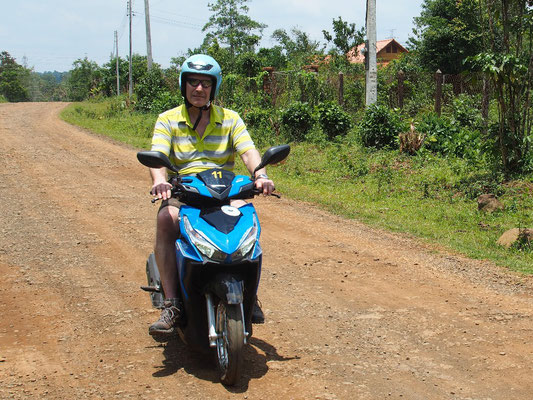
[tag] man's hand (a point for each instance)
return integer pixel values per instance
(265, 185)
(161, 190)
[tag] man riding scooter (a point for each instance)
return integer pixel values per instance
(196, 136)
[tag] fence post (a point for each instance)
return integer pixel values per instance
(341, 89)
(401, 78)
(485, 104)
(267, 83)
(438, 92)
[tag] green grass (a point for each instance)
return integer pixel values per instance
(430, 197)
(110, 118)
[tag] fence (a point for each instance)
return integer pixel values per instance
(408, 91)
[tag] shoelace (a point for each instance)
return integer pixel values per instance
(169, 313)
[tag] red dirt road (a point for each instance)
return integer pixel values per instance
(352, 312)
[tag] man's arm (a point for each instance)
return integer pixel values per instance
(160, 186)
(252, 159)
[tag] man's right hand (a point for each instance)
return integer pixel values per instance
(161, 190)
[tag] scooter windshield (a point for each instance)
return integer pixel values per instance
(217, 180)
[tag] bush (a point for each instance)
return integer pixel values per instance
(165, 100)
(296, 120)
(261, 123)
(333, 120)
(447, 136)
(380, 127)
(148, 89)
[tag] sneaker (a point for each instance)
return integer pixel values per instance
(170, 316)
(257, 314)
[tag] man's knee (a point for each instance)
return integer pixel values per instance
(167, 220)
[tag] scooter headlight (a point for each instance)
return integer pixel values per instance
(247, 242)
(198, 239)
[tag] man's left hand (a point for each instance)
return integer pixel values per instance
(265, 185)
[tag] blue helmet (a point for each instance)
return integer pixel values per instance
(201, 64)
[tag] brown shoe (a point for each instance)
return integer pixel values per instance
(170, 315)
(257, 314)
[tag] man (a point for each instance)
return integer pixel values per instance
(196, 136)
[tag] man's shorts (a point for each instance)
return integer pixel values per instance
(170, 202)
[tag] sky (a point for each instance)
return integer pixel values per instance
(50, 35)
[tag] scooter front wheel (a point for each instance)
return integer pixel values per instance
(230, 342)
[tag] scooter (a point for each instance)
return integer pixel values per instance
(218, 259)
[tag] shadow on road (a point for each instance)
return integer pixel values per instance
(204, 365)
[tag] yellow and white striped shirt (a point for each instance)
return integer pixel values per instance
(225, 135)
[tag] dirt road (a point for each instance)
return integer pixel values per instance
(352, 312)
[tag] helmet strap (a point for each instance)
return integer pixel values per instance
(203, 108)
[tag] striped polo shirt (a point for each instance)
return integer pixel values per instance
(225, 135)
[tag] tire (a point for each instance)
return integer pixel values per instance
(230, 344)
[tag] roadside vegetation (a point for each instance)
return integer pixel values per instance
(428, 195)
(452, 121)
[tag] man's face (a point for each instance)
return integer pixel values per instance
(198, 96)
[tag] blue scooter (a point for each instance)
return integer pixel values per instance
(218, 259)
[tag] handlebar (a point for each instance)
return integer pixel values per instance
(177, 188)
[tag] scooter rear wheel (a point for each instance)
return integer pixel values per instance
(230, 343)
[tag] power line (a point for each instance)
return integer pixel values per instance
(169, 21)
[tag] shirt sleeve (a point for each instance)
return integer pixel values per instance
(242, 141)
(162, 136)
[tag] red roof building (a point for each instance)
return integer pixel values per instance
(386, 51)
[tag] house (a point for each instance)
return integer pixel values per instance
(386, 51)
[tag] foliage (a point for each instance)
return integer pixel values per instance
(148, 88)
(230, 25)
(448, 136)
(297, 119)
(508, 65)
(447, 32)
(109, 76)
(380, 127)
(263, 125)
(299, 48)
(12, 79)
(272, 57)
(83, 80)
(426, 195)
(345, 36)
(333, 120)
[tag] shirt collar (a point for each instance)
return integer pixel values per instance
(215, 115)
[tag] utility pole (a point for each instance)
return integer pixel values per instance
(116, 53)
(130, 69)
(148, 36)
(372, 68)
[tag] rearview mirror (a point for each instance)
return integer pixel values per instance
(155, 159)
(274, 155)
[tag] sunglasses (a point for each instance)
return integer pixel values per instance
(206, 83)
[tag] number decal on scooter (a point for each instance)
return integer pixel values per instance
(217, 174)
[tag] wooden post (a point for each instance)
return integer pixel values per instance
(401, 78)
(485, 104)
(341, 89)
(438, 92)
(267, 83)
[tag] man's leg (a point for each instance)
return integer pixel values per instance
(165, 255)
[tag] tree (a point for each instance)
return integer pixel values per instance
(109, 76)
(84, 79)
(230, 25)
(447, 32)
(346, 36)
(509, 64)
(13, 79)
(298, 46)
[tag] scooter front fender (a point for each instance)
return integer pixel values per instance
(228, 288)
